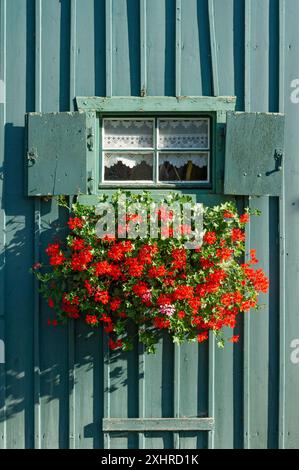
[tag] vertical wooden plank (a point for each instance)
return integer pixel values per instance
(212, 343)
(126, 48)
(212, 381)
(156, 379)
(289, 413)
(191, 392)
(221, 361)
(143, 47)
(214, 47)
(196, 66)
(274, 242)
(160, 16)
(158, 399)
(141, 391)
(282, 237)
(87, 55)
(257, 339)
(37, 407)
(177, 392)
(18, 298)
(123, 394)
(2, 220)
(99, 60)
(106, 385)
(38, 107)
(193, 72)
(178, 48)
(247, 103)
(262, 327)
(55, 96)
(73, 437)
(109, 56)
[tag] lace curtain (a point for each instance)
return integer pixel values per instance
(128, 133)
(183, 133)
(173, 133)
(122, 136)
(129, 160)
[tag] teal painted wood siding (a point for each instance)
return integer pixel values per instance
(57, 385)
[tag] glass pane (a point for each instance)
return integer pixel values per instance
(183, 166)
(128, 166)
(183, 133)
(128, 133)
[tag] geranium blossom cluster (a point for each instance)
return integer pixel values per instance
(142, 287)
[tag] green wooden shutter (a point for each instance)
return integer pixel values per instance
(60, 153)
(254, 154)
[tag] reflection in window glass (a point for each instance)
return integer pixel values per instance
(184, 166)
(128, 166)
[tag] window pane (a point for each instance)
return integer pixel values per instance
(183, 166)
(128, 166)
(183, 133)
(128, 133)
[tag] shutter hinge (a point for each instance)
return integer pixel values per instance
(278, 154)
(278, 159)
(90, 139)
(90, 181)
(32, 155)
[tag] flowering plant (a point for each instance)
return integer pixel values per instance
(153, 284)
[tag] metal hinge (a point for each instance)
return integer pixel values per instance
(278, 159)
(278, 155)
(32, 155)
(90, 182)
(90, 139)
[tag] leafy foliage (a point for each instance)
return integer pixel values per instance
(154, 284)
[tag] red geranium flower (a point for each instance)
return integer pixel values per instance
(57, 260)
(210, 238)
(91, 320)
(115, 304)
(244, 218)
(224, 253)
(157, 271)
(183, 292)
(77, 244)
(53, 249)
(115, 344)
(134, 267)
(75, 222)
(201, 337)
(156, 284)
(179, 256)
(238, 235)
(101, 296)
(102, 268)
(161, 323)
(234, 339)
(117, 252)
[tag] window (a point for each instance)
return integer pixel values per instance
(156, 151)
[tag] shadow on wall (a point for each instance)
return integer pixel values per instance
(44, 364)
(39, 359)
